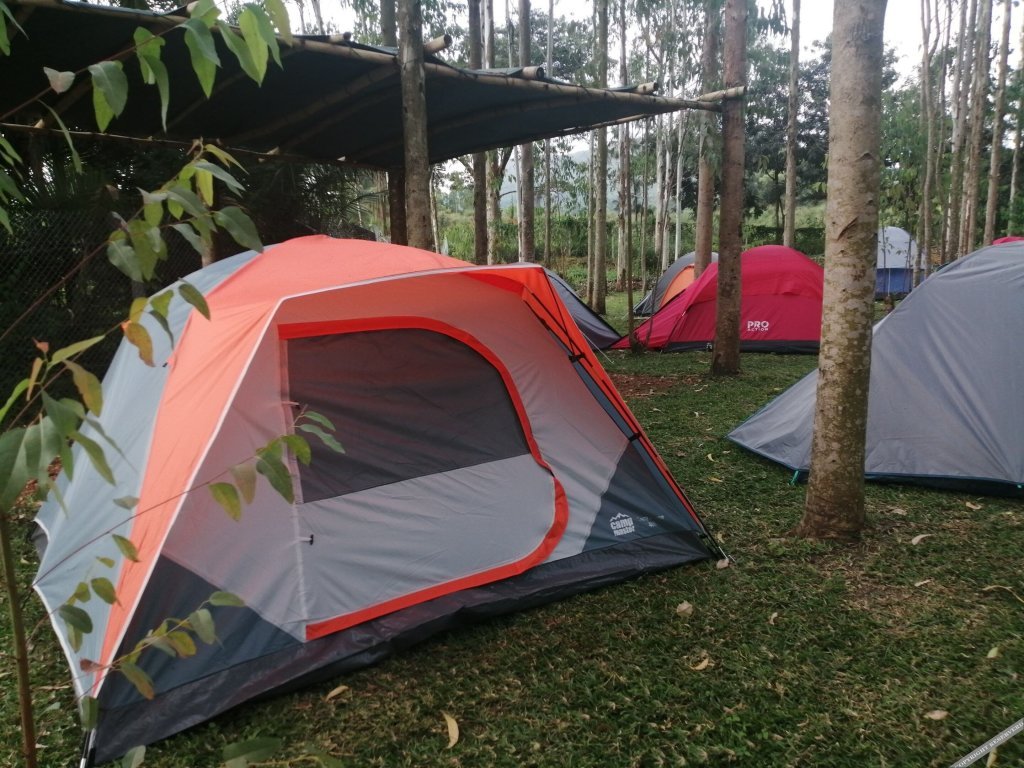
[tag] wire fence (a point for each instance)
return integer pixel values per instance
(57, 286)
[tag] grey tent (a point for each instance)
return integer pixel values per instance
(597, 331)
(946, 402)
(672, 282)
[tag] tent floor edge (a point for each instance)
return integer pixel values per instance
(367, 644)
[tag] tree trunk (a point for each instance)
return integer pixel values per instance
(927, 111)
(1012, 223)
(725, 359)
(396, 206)
(388, 24)
(548, 60)
(414, 124)
(659, 184)
(476, 61)
(527, 183)
(834, 506)
(992, 199)
(623, 131)
(979, 102)
(961, 97)
(708, 135)
(789, 231)
(601, 167)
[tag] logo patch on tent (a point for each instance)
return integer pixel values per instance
(757, 326)
(622, 525)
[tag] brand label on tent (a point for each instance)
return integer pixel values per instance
(622, 525)
(757, 326)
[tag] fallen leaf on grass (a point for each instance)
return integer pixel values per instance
(723, 563)
(711, 458)
(920, 537)
(716, 480)
(898, 511)
(993, 652)
(702, 664)
(992, 757)
(922, 583)
(684, 609)
(937, 714)
(972, 505)
(336, 692)
(453, 730)
(773, 617)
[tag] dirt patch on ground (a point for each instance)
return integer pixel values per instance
(636, 386)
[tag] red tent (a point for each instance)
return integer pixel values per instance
(780, 310)
(1007, 239)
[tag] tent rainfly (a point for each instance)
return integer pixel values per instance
(672, 282)
(780, 309)
(489, 464)
(946, 396)
(894, 270)
(592, 325)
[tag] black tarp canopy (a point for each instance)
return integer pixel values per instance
(333, 100)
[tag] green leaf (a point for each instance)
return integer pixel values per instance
(226, 158)
(107, 561)
(89, 712)
(279, 15)
(161, 303)
(183, 643)
(104, 590)
(160, 643)
(127, 502)
(226, 495)
(18, 390)
(300, 447)
(95, 453)
(74, 639)
(134, 757)
(202, 624)
(237, 46)
(161, 320)
(64, 418)
(239, 226)
(325, 438)
(5, 16)
(82, 593)
(226, 599)
(8, 151)
(59, 81)
(74, 349)
(252, 33)
(137, 677)
(5, 220)
(320, 419)
(126, 547)
(88, 386)
(75, 617)
(109, 89)
(204, 10)
(230, 181)
(188, 200)
(136, 309)
(148, 49)
(204, 186)
(244, 753)
(192, 295)
(244, 476)
(149, 246)
(193, 238)
(9, 187)
(75, 158)
(122, 255)
(277, 474)
(138, 336)
(14, 473)
(203, 51)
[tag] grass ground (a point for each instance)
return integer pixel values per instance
(882, 653)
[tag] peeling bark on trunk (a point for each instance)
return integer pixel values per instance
(725, 359)
(527, 182)
(834, 505)
(789, 231)
(414, 124)
(992, 199)
(705, 214)
(476, 61)
(979, 101)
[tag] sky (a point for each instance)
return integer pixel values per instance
(902, 24)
